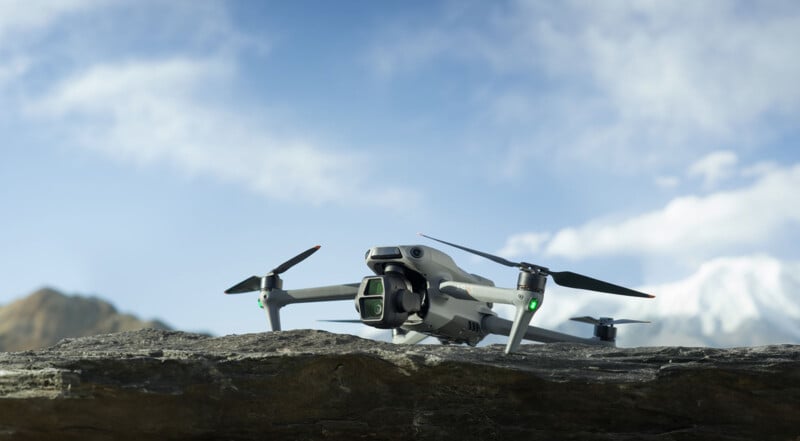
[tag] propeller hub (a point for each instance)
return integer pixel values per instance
(271, 281)
(531, 281)
(531, 267)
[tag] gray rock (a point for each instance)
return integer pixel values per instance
(315, 385)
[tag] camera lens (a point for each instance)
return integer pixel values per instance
(373, 309)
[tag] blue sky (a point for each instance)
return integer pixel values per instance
(155, 153)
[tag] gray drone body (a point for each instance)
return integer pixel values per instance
(420, 306)
(419, 291)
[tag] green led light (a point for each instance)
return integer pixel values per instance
(260, 305)
(534, 303)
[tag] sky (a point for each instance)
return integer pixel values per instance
(155, 153)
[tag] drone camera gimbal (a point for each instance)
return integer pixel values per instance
(386, 301)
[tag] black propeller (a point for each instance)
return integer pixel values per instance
(605, 321)
(604, 326)
(563, 278)
(253, 283)
(294, 260)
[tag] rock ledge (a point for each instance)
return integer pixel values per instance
(314, 384)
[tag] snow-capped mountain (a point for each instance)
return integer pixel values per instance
(739, 301)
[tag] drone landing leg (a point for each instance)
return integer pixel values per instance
(518, 328)
(530, 293)
(403, 337)
(272, 309)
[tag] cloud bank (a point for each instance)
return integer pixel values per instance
(624, 86)
(148, 112)
(171, 107)
(687, 225)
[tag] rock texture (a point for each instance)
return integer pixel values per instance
(316, 385)
(46, 316)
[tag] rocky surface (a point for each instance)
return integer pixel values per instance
(317, 385)
(46, 316)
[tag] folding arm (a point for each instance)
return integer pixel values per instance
(500, 326)
(275, 299)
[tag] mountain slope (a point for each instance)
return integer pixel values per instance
(731, 301)
(46, 316)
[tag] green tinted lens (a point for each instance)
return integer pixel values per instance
(374, 287)
(373, 309)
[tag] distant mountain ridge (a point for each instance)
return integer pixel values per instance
(46, 316)
(729, 301)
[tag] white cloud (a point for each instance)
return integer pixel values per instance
(665, 63)
(13, 69)
(667, 182)
(620, 84)
(424, 46)
(760, 169)
(22, 21)
(686, 225)
(154, 111)
(714, 167)
(523, 243)
(21, 16)
(169, 108)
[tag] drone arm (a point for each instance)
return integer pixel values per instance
(318, 294)
(500, 326)
(275, 299)
(479, 293)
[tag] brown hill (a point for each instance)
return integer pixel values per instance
(46, 316)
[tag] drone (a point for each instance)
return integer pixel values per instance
(418, 292)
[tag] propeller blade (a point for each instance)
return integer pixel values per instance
(575, 280)
(586, 319)
(563, 278)
(491, 257)
(254, 282)
(251, 284)
(594, 321)
(294, 260)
